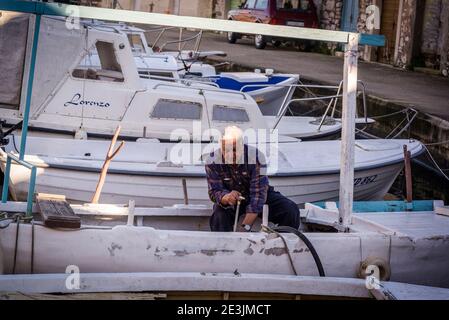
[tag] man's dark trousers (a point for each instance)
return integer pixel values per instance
(282, 211)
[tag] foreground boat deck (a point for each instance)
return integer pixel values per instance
(412, 224)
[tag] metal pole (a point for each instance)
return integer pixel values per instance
(184, 189)
(348, 132)
(31, 192)
(131, 207)
(283, 108)
(265, 213)
(26, 113)
(237, 211)
(408, 175)
(180, 39)
(6, 180)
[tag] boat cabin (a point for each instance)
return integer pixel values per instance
(71, 95)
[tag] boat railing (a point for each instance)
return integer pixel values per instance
(286, 86)
(187, 82)
(201, 89)
(333, 99)
(285, 106)
(9, 158)
(334, 102)
(161, 31)
(181, 42)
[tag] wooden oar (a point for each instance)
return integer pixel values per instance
(104, 170)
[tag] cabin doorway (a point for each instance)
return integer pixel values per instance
(13, 44)
(388, 28)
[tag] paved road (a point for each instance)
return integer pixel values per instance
(428, 93)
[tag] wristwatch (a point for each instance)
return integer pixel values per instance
(246, 227)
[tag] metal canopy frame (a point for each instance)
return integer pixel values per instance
(351, 40)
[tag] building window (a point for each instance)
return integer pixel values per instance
(293, 4)
(228, 114)
(176, 109)
(100, 63)
(249, 4)
(262, 4)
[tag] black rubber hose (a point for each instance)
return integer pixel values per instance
(309, 245)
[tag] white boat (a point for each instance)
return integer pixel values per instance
(72, 99)
(146, 254)
(270, 92)
(151, 172)
(403, 247)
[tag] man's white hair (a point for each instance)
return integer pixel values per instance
(232, 133)
(232, 145)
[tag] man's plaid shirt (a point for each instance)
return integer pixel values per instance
(248, 178)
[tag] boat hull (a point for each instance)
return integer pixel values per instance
(145, 249)
(158, 190)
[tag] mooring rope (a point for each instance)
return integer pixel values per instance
(390, 114)
(436, 143)
(436, 164)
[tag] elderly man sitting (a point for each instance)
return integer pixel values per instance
(237, 171)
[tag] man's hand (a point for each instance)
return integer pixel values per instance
(231, 198)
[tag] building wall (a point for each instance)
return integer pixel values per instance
(198, 8)
(404, 50)
(361, 23)
(429, 28)
(330, 14)
(431, 32)
(429, 39)
(444, 48)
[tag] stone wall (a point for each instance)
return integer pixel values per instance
(434, 41)
(330, 18)
(444, 48)
(367, 53)
(331, 14)
(405, 48)
(431, 32)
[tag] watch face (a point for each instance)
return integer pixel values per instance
(247, 227)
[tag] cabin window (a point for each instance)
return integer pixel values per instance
(228, 114)
(163, 75)
(100, 63)
(136, 42)
(176, 109)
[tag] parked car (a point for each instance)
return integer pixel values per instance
(298, 13)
